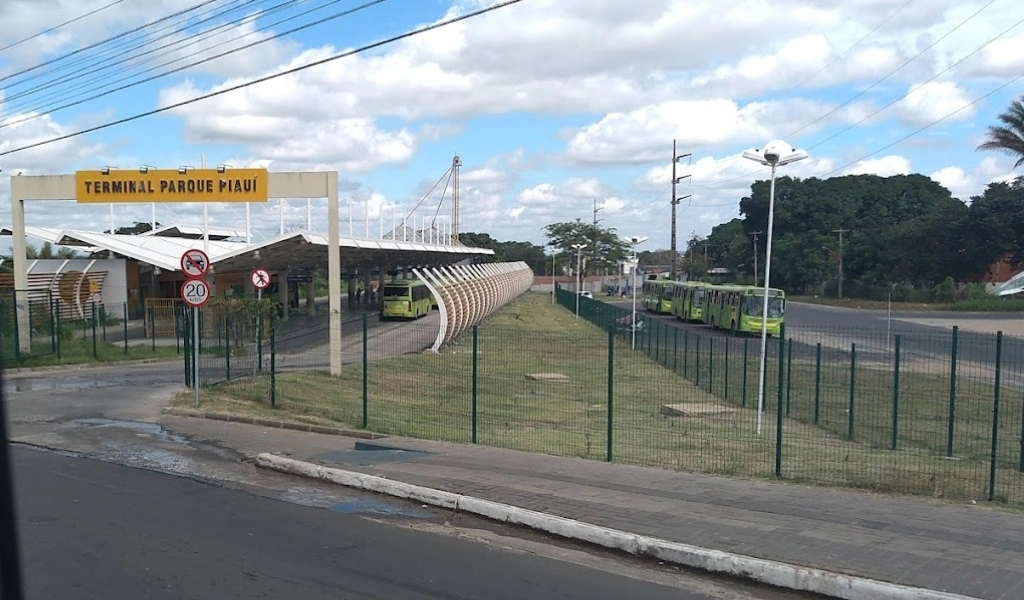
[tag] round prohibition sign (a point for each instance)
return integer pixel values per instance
(195, 263)
(195, 292)
(260, 278)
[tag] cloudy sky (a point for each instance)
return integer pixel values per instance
(551, 104)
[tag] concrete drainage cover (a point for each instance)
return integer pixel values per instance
(695, 409)
(367, 455)
(547, 377)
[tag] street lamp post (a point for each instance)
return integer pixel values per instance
(554, 253)
(634, 265)
(579, 262)
(775, 153)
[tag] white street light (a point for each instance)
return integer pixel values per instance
(775, 153)
(579, 261)
(634, 265)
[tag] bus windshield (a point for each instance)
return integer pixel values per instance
(395, 291)
(754, 305)
(698, 297)
(667, 291)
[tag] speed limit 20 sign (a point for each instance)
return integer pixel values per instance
(195, 292)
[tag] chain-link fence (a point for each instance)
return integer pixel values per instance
(926, 412)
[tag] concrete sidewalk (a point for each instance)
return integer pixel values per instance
(969, 550)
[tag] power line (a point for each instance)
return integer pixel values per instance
(870, 87)
(51, 110)
(263, 79)
(60, 25)
(100, 43)
(115, 55)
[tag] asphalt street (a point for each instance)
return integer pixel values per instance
(113, 505)
(837, 329)
(91, 529)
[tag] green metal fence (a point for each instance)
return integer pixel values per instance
(924, 412)
(55, 331)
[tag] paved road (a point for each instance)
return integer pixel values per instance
(194, 518)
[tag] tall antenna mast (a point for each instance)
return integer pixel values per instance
(456, 163)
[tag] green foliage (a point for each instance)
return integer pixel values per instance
(46, 251)
(135, 228)
(604, 247)
(510, 251)
(1008, 137)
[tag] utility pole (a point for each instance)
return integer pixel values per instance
(597, 208)
(674, 202)
(755, 234)
(840, 232)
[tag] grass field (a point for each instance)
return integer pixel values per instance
(431, 396)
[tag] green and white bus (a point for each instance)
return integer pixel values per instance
(405, 299)
(688, 300)
(738, 309)
(654, 295)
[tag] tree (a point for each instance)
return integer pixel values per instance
(509, 251)
(993, 228)
(135, 229)
(1009, 137)
(46, 252)
(604, 247)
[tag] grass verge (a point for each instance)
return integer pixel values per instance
(543, 386)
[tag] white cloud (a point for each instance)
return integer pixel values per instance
(964, 184)
(885, 166)
(1001, 58)
(929, 102)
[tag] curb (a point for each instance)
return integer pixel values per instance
(774, 573)
(263, 422)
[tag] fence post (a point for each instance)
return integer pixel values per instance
(227, 345)
(952, 393)
(60, 330)
(177, 331)
(675, 351)
(817, 382)
(103, 321)
(611, 393)
(152, 327)
(686, 358)
(17, 333)
(778, 407)
(896, 394)
(366, 379)
(995, 419)
(95, 353)
(743, 401)
(273, 362)
(789, 375)
(125, 329)
(476, 359)
(711, 365)
(725, 392)
(259, 341)
(853, 386)
(697, 363)
(53, 329)
(187, 343)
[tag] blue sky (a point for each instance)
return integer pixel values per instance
(551, 104)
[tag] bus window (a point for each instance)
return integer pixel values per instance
(754, 304)
(395, 292)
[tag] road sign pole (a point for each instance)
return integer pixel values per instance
(195, 354)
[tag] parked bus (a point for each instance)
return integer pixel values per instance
(688, 300)
(405, 299)
(653, 291)
(714, 303)
(742, 310)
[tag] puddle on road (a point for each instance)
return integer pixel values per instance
(152, 429)
(64, 384)
(369, 506)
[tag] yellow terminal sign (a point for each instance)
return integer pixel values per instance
(171, 185)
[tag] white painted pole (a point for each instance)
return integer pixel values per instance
(366, 219)
(195, 355)
(350, 234)
(405, 229)
(248, 225)
(152, 216)
(380, 218)
(309, 214)
(111, 218)
(764, 307)
(206, 213)
(394, 216)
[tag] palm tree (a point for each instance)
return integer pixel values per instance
(1009, 138)
(46, 251)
